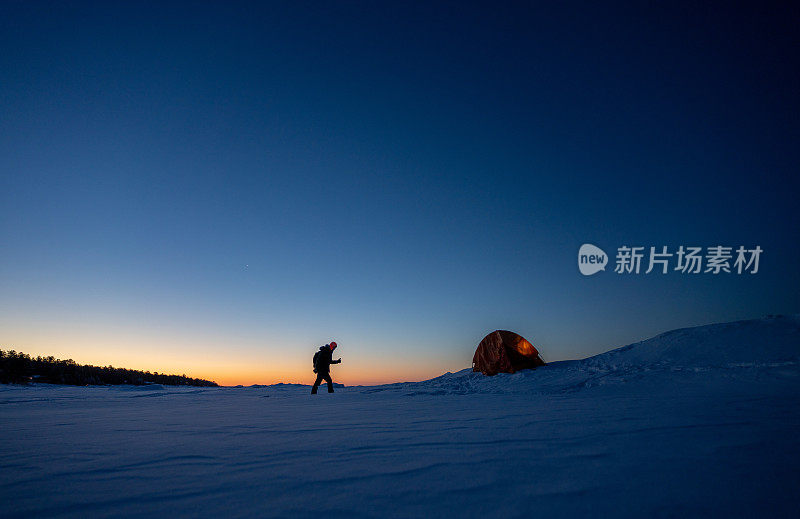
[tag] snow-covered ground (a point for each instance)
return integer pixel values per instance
(701, 421)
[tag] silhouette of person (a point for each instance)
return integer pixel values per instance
(322, 366)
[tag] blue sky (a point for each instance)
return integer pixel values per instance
(218, 189)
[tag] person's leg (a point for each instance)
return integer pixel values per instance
(316, 384)
(329, 380)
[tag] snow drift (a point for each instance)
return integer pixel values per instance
(761, 342)
(737, 350)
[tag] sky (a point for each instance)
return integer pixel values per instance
(217, 189)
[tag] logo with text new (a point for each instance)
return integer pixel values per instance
(591, 259)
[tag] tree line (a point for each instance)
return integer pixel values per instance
(21, 368)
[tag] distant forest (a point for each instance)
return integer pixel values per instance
(21, 368)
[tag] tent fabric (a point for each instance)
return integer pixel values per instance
(505, 352)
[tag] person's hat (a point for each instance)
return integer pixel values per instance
(333, 346)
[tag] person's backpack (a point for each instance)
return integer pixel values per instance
(316, 357)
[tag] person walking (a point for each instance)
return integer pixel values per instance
(322, 366)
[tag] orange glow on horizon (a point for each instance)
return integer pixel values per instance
(233, 373)
(343, 376)
(263, 363)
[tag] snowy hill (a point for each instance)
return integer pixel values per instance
(758, 342)
(740, 349)
(694, 422)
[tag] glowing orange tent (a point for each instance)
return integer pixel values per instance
(505, 352)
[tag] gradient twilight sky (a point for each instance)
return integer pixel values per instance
(217, 189)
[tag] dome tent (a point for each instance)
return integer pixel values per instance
(505, 352)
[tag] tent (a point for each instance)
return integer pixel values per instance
(505, 352)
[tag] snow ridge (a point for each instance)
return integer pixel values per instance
(741, 349)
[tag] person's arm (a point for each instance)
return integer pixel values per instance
(337, 361)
